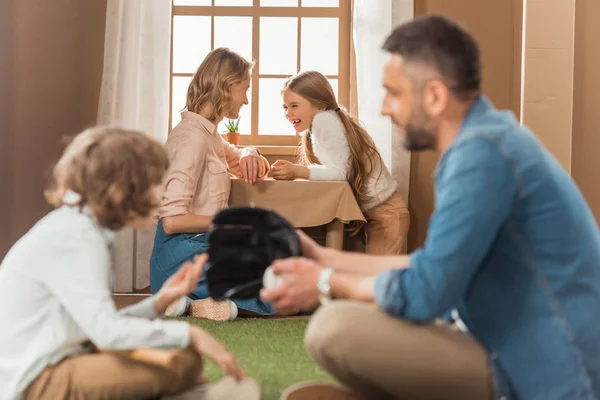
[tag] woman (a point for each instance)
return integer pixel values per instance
(197, 184)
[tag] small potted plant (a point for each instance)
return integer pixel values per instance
(233, 136)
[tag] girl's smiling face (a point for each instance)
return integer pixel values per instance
(298, 110)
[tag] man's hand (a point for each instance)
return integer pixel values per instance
(252, 167)
(184, 281)
(311, 249)
(287, 171)
(205, 344)
(299, 287)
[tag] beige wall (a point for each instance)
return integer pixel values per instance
(496, 26)
(50, 71)
(585, 163)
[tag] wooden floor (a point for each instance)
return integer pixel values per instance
(127, 299)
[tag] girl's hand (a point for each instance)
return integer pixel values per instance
(284, 170)
(180, 284)
(205, 344)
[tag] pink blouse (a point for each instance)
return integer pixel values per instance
(200, 163)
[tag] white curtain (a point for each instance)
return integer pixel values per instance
(373, 21)
(135, 94)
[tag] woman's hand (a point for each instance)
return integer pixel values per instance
(205, 344)
(285, 170)
(184, 281)
(252, 167)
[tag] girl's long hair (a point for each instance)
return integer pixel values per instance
(365, 157)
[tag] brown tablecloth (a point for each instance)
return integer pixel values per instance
(303, 203)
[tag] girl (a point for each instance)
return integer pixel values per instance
(56, 291)
(336, 147)
(197, 184)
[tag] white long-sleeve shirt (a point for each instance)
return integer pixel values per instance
(333, 151)
(55, 294)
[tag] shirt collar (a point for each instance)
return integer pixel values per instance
(480, 106)
(199, 121)
(72, 200)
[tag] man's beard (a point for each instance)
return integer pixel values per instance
(417, 138)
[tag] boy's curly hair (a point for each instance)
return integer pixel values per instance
(113, 169)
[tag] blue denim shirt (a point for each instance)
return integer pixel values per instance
(515, 248)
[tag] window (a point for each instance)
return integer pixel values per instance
(281, 36)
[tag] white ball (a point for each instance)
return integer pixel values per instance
(270, 280)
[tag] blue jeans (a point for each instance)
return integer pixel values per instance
(171, 251)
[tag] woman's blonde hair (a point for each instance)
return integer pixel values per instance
(211, 84)
(113, 170)
(365, 158)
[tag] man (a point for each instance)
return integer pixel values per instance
(512, 245)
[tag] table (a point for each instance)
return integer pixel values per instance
(304, 203)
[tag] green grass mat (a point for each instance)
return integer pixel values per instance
(271, 351)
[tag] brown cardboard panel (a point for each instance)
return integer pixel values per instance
(545, 74)
(585, 164)
(496, 26)
(548, 84)
(549, 23)
(551, 131)
(421, 197)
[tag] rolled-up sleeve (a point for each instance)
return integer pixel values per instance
(187, 161)
(475, 189)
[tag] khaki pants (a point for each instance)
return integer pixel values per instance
(387, 226)
(118, 376)
(381, 357)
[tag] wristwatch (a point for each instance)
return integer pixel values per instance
(323, 286)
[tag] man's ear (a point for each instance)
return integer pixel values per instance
(435, 97)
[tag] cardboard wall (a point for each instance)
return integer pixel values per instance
(548, 85)
(496, 26)
(51, 56)
(585, 163)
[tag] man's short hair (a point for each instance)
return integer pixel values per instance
(444, 45)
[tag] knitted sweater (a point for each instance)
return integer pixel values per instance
(331, 147)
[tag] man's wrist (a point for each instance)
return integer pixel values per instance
(323, 286)
(327, 256)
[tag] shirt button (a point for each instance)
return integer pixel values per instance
(493, 357)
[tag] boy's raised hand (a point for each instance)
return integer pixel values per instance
(183, 282)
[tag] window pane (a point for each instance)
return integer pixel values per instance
(334, 86)
(245, 119)
(234, 3)
(191, 42)
(279, 3)
(320, 45)
(180, 87)
(271, 118)
(235, 33)
(320, 3)
(191, 2)
(278, 45)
